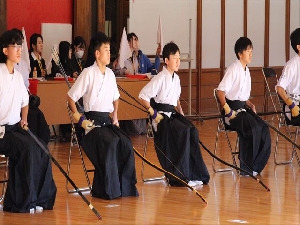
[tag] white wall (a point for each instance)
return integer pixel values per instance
(175, 15)
(53, 34)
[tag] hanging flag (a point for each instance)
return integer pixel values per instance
(125, 51)
(159, 34)
(25, 53)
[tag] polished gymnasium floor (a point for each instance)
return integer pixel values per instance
(231, 199)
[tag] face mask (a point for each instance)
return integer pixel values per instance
(79, 54)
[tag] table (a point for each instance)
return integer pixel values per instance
(53, 95)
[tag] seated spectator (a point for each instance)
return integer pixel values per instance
(37, 63)
(78, 48)
(139, 63)
(65, 53)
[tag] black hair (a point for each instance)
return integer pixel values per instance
(9, 37)
(97, 40)
(169, 49)
(79, 41)
(95, 43)
(295, 39)
(130, 36)
(241, 45)
(33, 40)
(63, 48)
(19, 32)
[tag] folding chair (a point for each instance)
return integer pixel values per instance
(271, 79)
(75, 144)
(4, 164)
(149, 134)
(282, 123)
(223, 128)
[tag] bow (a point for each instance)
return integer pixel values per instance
(205, 148)
(222, 161)
(62, 170)
(152, 164)
(171, 174)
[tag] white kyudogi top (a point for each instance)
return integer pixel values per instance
(164, 88)
(290, 78)
(23, 69)
(132, 68)
(99, 90)
(13, 96)
(236, 82)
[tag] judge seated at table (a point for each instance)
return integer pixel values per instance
(138, 63)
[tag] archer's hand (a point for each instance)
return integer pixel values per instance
(293, 107)
(157, 117)
(158, 50)
(83, 122)
(231, 114)
(24, 124)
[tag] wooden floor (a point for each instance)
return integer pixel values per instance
(231, 199)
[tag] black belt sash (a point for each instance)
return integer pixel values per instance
(162, 107)
(11, 128)
(100, 118)
(236, 104)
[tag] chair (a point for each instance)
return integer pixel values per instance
(223, 128)
(282, 123)
(75, 144)
(4, 164)
(270, 77)
(149, 135)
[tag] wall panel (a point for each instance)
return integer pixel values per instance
(277, 33)
(295, 19)
(233, 28)
(175, 18)
(256, 29)
(211, 33)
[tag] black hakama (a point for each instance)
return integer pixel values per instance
(254, 138)
(177, 140)
(111, 153)
(30, 181)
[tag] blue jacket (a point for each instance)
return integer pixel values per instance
(145, 66)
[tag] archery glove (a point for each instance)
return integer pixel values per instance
(293, 107)
(157, 117)
(229, 112)
(83, 122)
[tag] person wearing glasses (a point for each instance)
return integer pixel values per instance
(30, 185)
(37, 63)
(22, 66)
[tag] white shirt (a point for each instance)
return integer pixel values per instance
(164, 88)
(236, 82)
(290, 78)
(132, 68)
(99, 90)
(13, 96)
(23, 69)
